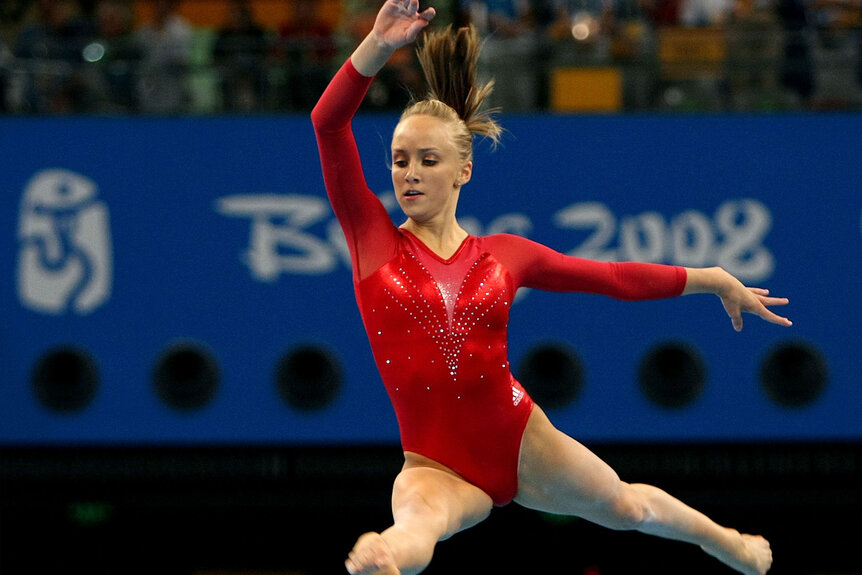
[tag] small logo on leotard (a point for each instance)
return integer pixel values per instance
(517, 395)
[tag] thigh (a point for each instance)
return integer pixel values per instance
(429, 497)
(559, 475)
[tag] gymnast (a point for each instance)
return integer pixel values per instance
(435, 304)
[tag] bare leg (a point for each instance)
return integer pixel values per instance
(429, 504)
(665, 516)
(559, 475)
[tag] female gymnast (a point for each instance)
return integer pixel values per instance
(435, 303)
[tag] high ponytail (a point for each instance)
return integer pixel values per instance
(449, 60)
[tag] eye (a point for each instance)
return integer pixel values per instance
(400, 163)
(429, 162)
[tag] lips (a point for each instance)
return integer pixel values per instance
(412, 193)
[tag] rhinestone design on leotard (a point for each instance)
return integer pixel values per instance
(447, 324)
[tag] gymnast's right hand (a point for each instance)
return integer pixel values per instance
(399, 22)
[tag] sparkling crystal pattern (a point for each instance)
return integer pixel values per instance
(448, 325)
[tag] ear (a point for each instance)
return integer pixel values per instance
(465, 175)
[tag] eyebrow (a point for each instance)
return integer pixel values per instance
(421, 150)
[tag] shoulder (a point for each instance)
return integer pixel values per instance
(504, 239)
(506, 242)
(517, 253)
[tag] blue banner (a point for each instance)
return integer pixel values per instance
(123, 237)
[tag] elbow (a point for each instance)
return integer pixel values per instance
(317, 117)
(324, 121)
(322, 116)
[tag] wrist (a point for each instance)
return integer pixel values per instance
(371, 55)
(712, 280)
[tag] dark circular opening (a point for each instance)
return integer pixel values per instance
(308, 378)
(186, 376)
(672, 375)
(552, 375)
(65, 379)
(793, 374)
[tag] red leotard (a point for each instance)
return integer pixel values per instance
(438, 327)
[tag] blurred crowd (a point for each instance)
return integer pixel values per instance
(170, 57)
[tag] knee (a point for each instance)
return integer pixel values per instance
(415, 512)
(628, 508)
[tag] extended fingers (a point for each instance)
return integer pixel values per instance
(765, 300)
(410, 7)
(428, 14)
(763, 295)
(757, 305)
(764, 312)
(774, 318)
(768, 315)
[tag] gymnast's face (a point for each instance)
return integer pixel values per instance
(427, 173)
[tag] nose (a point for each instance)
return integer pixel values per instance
(410, 174)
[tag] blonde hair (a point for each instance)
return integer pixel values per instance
(449, 60)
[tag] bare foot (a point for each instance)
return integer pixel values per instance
(751, 555)
(371, 556)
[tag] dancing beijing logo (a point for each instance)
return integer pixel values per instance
(64, 245)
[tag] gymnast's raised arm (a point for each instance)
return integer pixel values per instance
(367, 227)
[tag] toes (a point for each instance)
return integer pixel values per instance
(370, 555)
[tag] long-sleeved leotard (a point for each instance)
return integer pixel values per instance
(438, 327)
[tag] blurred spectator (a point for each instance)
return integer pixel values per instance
(240, 49)
(514, 40)
(115, 54)
(588, 26)
(797, 71)
(516, 18)
(857, 5)
(49, 47)
(589, 23)
(505, 18)
(836, 47)
(11, 12)
(632, 46)
(631, 31)
(755, 43)
(5, 65)
(706, 12)
(307, 46)
(663, 12)
(166, 49)
(833, 14)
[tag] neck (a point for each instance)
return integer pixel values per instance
(443, 240)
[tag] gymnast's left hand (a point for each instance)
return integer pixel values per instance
(756, 301)
(399, 22)
(735, 297)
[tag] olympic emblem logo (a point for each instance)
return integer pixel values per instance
(64, 244)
